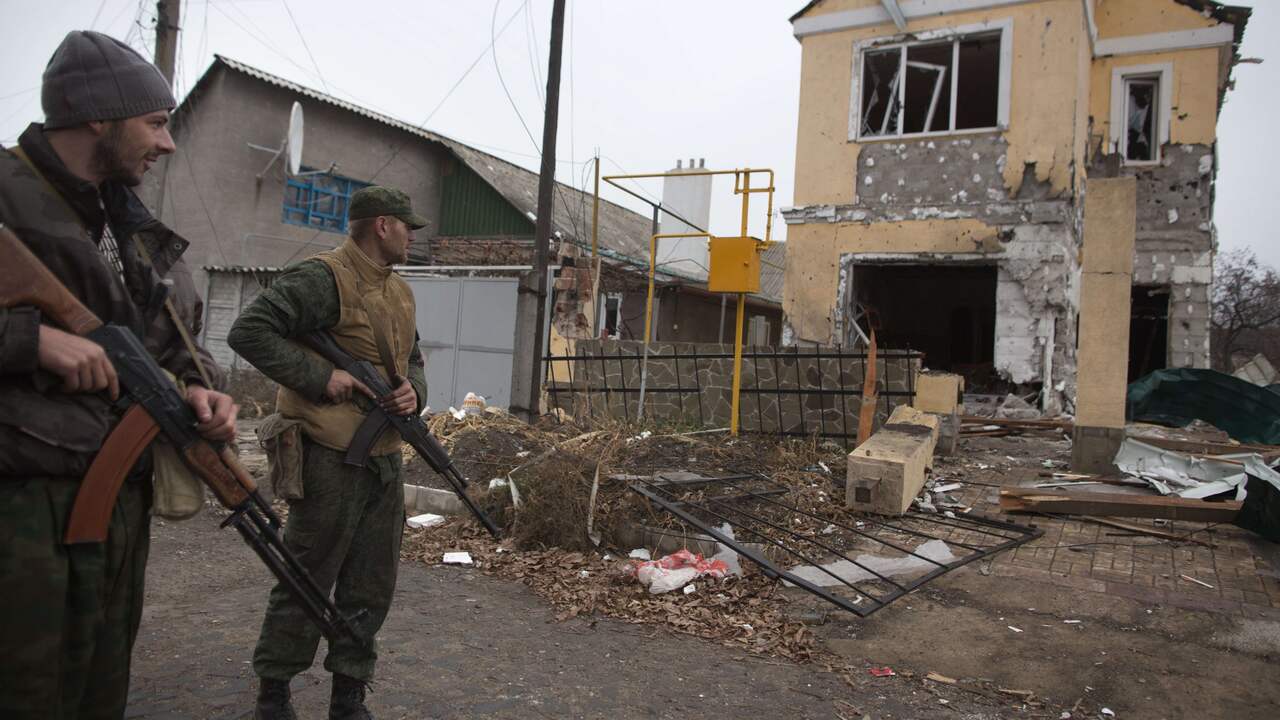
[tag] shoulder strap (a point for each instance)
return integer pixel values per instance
(24, 157)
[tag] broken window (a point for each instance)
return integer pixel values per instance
(931, 87)
(1142, 95)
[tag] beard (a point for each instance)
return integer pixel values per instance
(108, 157)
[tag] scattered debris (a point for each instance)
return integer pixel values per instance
(458, 558)
(675, 571)
(1017, 630)
(1188, 578)
(881, 671)
(425, 520)
(939, 678)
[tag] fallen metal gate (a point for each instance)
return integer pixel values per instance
(749, 505)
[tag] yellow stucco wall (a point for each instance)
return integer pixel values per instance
(1195, 92)
(1047, 39)
(814, 250)
(1119, 18)
(1057, 89)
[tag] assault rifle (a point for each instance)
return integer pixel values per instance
(152, 406)
(411, 427)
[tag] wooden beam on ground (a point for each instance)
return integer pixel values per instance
(1032, 423)
(1145, 530)
(1204, 447)
(1116, 505)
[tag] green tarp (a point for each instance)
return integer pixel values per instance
(1248, 413)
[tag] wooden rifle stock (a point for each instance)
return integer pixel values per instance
(24, 280)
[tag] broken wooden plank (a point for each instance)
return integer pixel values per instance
(1145, 530)
(1205, 447)
(1047, 423)
(1116, 504)
(867, 410)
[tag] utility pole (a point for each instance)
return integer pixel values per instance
(167, 36)
(167, 12)
(546, 189)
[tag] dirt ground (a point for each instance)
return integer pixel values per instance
(1083, 623)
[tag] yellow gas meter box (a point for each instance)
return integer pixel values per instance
(735, 265)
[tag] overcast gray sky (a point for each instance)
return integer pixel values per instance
(645, 82)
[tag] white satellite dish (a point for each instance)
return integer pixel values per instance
(293, 141)
(291, 148)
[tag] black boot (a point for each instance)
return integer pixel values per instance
(273, 701)
(347, 700)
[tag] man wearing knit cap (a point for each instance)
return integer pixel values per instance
(69, 614)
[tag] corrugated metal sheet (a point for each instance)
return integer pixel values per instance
(470, 207)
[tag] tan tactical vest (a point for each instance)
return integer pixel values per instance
(367, 292)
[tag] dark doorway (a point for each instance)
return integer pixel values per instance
(1148, 330)
(946, 311)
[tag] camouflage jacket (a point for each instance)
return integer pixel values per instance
(302, 299)
(44, 432)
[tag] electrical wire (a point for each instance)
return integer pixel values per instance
(420, 126)
(97, 14)
(305, 46)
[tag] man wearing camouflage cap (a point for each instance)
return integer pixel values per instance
(69, 614)
(344, 522)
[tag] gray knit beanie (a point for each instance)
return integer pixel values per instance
(92, 77)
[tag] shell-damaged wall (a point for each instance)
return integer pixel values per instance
(1009, 197)
(1002, 197)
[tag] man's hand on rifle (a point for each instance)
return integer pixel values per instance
(216, 412)
(402, 401)
(82, 364)
(342, 384)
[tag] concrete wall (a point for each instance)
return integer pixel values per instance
(211, 194)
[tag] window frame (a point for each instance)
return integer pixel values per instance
(304, 182)
(861, 47)
(1119, 135)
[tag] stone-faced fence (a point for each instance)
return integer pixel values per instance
(800, 390)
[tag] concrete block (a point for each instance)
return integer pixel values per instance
(887, 471)
(1093, 449)
(948, 434)
(1110, 224)
(938, 392)
(432, 500)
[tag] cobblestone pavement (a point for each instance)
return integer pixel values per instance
(459, 644)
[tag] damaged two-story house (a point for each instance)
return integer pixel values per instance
(944, 152)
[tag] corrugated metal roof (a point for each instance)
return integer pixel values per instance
(623, 233)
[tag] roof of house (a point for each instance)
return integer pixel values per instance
(623, 233)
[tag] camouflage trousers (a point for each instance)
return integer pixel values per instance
(346, 532)
(69, 614)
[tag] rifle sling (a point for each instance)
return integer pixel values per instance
(375, 423)
(96, 499)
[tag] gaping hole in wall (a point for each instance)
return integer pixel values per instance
(978, 86)
(928, 88)
(880, 80)
(1141, 94)
(1148, 330)
(946, 311)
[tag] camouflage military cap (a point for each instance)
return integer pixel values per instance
(378, 200)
